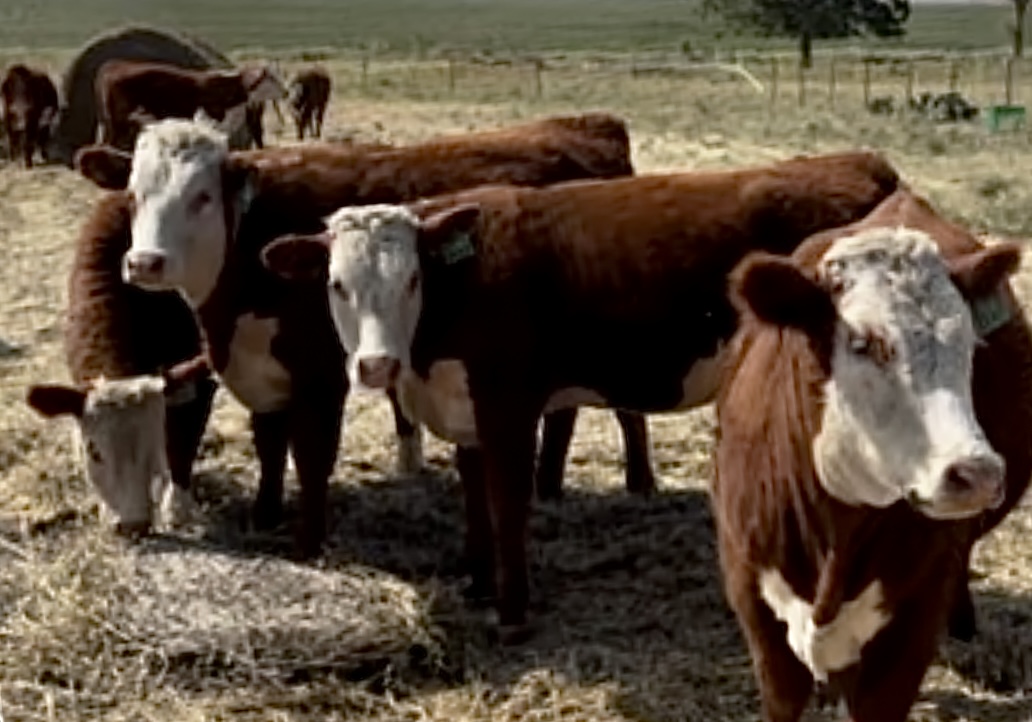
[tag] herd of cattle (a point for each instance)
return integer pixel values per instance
(869, 361)
(132, 93)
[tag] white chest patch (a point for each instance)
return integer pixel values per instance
(700, 385)
(831, 647)
(442, 402)
(257, 379)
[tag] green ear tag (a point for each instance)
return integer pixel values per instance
(989, 313)
(459, 247)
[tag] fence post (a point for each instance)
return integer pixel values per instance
(908, 97)
(954, 74)
(451, 75)
(867, 83)
(801, 82)
(365, 71)
(773, 85)
(1008, 79)
(831, 82)
(538, 63)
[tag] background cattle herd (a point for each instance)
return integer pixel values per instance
(865, 353)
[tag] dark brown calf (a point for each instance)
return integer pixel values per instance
(30, 107)
(864, 590)
(251, 317)
(595, 292)
(130, 92)
(309, 97)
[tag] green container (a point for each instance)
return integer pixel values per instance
(1004, 117)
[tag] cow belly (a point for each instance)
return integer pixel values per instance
(830, 647)
(252, 374)
(441, 401)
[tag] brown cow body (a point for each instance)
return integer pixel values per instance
(298, 395)
(130, 92)
(30, 106)
(773, 513)
(309, 96)
(593, 292)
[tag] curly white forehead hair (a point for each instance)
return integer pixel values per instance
(370, 217)
(178, 136)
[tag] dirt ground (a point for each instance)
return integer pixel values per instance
(215, 622)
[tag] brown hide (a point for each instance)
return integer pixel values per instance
(772, 513)
(127, 88)
(294, 190)
(116, 330)
(615, 286)
(30, 105)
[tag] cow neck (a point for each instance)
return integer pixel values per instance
(218, 312)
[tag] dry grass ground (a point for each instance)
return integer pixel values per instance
(215, 623)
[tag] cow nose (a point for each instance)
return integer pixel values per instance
(133, 529)
(144, 266)
(980, 478)
(378, 372)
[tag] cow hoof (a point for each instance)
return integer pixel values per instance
(549, 487)
(511, 635)
(410, 455)
(963, 627)
(266, 515)
(479, 594)
(641, 485)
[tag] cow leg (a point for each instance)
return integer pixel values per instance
(507, 430)
(556, 432)
(315, 426)
(638, 475)
(479, 554)
(410, 440)
(184, 426)
(271, 433)
(319, 121)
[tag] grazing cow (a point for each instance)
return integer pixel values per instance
(140, 419)
(132, 92)
(866, 437)
(485, 308)
(201, 217)
(309, 96)
(30, 107)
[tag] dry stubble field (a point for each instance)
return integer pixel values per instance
(215, 623)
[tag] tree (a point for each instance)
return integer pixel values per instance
(1020, 6)
(808, 20)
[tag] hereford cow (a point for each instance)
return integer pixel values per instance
(132, 92)
(201, 216)
(140, 416)
(30, 107)
(309, 96)
(485, 308)
(870, 427)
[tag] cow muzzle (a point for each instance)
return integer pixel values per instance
(144, 268)
(378, 372)
(968, 487)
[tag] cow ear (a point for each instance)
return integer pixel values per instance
(106, 166)
(299, 257)
(978, 274)
(239, 182)
(777, 292)
(55, 400)
(448, 235)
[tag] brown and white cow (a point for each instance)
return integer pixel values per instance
(201, 217)
(140, 411)
(486, 308)
(309, 95)
(132, 92)
(30, 108)
(870, 427)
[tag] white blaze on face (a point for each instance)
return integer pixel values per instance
(898, 420)
(374, 290)
(122, 439)
(178, 228)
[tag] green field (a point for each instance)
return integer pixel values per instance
(406, 26)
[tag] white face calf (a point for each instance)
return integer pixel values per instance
(370, 257)
(179, 229)
(897, 415)
(121, 425)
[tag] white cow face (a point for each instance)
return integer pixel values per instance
(179, 227)
(121, 429)
(370, 258)
(897, 419)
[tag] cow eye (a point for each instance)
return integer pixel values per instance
(201, 201)
(872, 346)
(338, 288)
(93, 452)
(413, 284)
